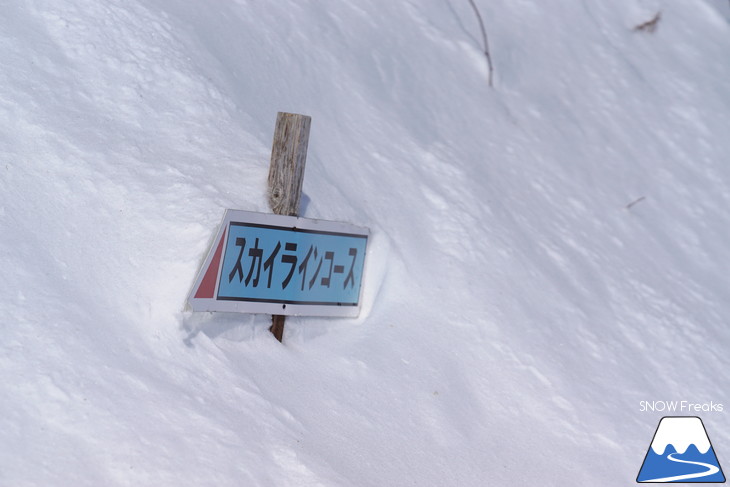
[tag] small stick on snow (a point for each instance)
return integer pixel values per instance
(484, 40)
(638, 200)
(650, 25)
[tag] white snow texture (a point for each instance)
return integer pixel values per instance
(518, 306)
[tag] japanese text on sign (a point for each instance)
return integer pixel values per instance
(278, 264)
(297, 266)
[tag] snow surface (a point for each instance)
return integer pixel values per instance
(518, 307)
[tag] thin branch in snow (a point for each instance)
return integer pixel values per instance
(638, 200)
(650, 25)
(484, 39)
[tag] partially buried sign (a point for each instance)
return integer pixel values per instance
(265, 263)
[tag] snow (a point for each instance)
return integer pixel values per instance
(517, 310)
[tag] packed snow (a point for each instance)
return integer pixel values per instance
(545, 253)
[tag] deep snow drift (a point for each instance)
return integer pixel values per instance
(518, 307)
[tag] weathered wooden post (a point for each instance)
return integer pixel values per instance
(286, 175)
(280, 263)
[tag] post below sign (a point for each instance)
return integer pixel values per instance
(284, 265)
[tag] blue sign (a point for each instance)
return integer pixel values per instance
(282, 265)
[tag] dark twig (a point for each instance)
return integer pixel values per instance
(638, 200)
(484, 39)
(650, 25)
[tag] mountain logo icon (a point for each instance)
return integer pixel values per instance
(681, 452)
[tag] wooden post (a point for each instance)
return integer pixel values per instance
(286, 174)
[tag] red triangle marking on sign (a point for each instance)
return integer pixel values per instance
(207, 285)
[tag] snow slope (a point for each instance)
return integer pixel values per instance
(517, 309)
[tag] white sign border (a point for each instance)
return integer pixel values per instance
(293, 222)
